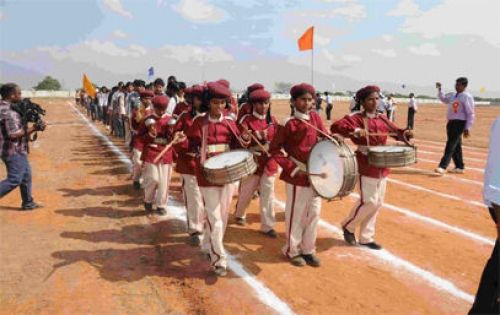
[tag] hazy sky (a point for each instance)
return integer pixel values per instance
(388, 42)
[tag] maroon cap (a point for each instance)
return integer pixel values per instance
(160, 101)
(302, 88)
(363, 93)
(218, 90)
(146, 93)
(197, 90)
(224, 82)
(259, 95)
(188, 91)
(253, 87)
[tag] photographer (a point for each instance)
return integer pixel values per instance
(14, 136)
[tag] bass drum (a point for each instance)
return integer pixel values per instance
(338, 164)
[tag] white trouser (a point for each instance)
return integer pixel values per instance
(248, 186)
(217, 202)
(136, 165)
(156, 182)
(194, 203)
(302, 210)
(364, 213)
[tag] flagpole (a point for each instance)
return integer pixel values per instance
(312, 66)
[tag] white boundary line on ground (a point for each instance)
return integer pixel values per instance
(443, 143)
(399, 263)
(478, 154)
(263, 293)
(452, 177)
(480, 170)
(441, 154)
(444, 195)
(425, 219)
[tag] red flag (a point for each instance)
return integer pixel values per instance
(306, 40)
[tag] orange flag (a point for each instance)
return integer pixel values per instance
(88, 86)
(306, 40)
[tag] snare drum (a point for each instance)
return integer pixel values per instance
(338, 162)
(229, 167)
(392, 156)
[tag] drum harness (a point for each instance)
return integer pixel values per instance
(205, 148)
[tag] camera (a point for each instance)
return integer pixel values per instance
(30, 113)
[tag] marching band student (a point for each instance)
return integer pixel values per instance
(138, 130)
(296, 136)
(186, 104)
(186, 165)
(157, 170)
(246, 108)
(357, 127)
(263, 126)
(212, 134)
(232, 105)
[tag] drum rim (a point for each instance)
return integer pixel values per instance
(344, 148)
(249, 153)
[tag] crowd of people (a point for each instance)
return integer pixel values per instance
(178, 128)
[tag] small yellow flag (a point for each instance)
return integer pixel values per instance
(482, 89)
(88, 86)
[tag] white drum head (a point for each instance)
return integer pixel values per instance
(325, 158)
(390, 149)
(226, 159)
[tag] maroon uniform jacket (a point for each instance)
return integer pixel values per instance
(296, 138)
(245, 109)
(186, 161)
(218, 132)
(265, 133)
(139, 128)
(153, 146)
(180, 108)
(378, 124)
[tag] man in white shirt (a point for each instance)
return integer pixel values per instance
(118, 101)
(412, 109)
(488, 296)
(102, 102)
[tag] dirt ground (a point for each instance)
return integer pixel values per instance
(91, 250)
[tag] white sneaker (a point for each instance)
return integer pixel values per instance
(457, 171)
(440, 170)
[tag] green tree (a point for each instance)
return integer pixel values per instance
(282, 87)
(48, 84)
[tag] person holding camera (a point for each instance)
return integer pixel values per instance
(14, 135)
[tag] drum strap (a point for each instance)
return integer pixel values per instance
(365, 125)
(204, 136)
(235, 134)
(300, 165)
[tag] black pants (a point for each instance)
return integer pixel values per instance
(486, 301)
(411, 118)
(328, 111)
(453, 150)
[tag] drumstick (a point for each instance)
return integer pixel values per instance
(259, 144)
(322, 175)
(162, 153)
(319, 130)
(378, 134)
